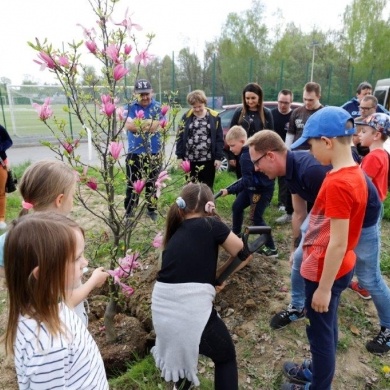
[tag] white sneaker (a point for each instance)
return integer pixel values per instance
(284, 219)
(3, 225)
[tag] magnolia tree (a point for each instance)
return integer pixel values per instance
(101, 111)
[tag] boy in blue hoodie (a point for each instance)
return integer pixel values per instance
(254, 189)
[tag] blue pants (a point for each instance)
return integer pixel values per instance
(322, 332)
(258, 203)
(368, 271)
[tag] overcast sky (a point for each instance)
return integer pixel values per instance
(176, 23)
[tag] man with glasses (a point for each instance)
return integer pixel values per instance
(281, 116)
(353, 106)
(144, 146)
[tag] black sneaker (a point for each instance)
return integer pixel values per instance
(285, 317)
(381, 343)
(265, 251)
(152, 215)
(298, 373)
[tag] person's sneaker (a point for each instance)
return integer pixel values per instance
(285, 317)
(152, 215)
(362, 292)
(298, 373)
(265, 251)
(285, 218)
(3, 225)
(295, 386)
(381, 343)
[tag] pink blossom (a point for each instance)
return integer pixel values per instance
(91, 45)
(186, 166)
(127, 290)
(138, 186)
(163, 123)
(163, 176)
(158, 240)
(44, 110)
(63, 61)
(88, 33)
(127, 49)
(105, 99)
(164, 109)
(140, 114)
(121, 113)
(119, 72)
(127, 23)
(46, 61)
(68, 147)
(112, 52)
(143, 58)
(92, 183)
(115, 149)
(107, 109)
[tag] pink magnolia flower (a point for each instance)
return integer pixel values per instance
(105, 99)
(92, 183)
(119, 72)
(68, 147)
(163, 123)
(138, 186)
(127, 49)
(163, 176)
(88, 33)
(164, 109)
(158, 240)
(115, 149)
(127, 290)
(186, 166)
(92, 47)
(107, 109)
(46, 61)
(63, 60)
(140, 114)
(112, 52)
(121, 113)
(143, 58)
(44, 111)
(127, 23)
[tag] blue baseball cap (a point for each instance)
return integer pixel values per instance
(327, 122)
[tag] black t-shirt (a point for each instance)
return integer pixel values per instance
(191, 254)
(281, 122)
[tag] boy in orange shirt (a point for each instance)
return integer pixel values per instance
(334, 229)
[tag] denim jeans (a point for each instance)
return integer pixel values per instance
(297, 281)
(258, 203)
(368, 271)
(322, 332)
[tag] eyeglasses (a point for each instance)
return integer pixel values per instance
(144, 94)
(365, 108)
(256, 162)
(280, 102)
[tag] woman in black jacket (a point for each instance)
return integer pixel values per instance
(5, 143)
(252, 116)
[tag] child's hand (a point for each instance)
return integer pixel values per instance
(99, 276)
(224, 192)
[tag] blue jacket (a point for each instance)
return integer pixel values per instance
(352, 106)
(251, 180)
(147, 142)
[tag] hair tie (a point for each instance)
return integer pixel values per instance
(181, 203)
(209, 207)
(26, 205)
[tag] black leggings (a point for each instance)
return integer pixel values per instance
(217, 344)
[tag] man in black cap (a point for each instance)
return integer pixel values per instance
(144, 145)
